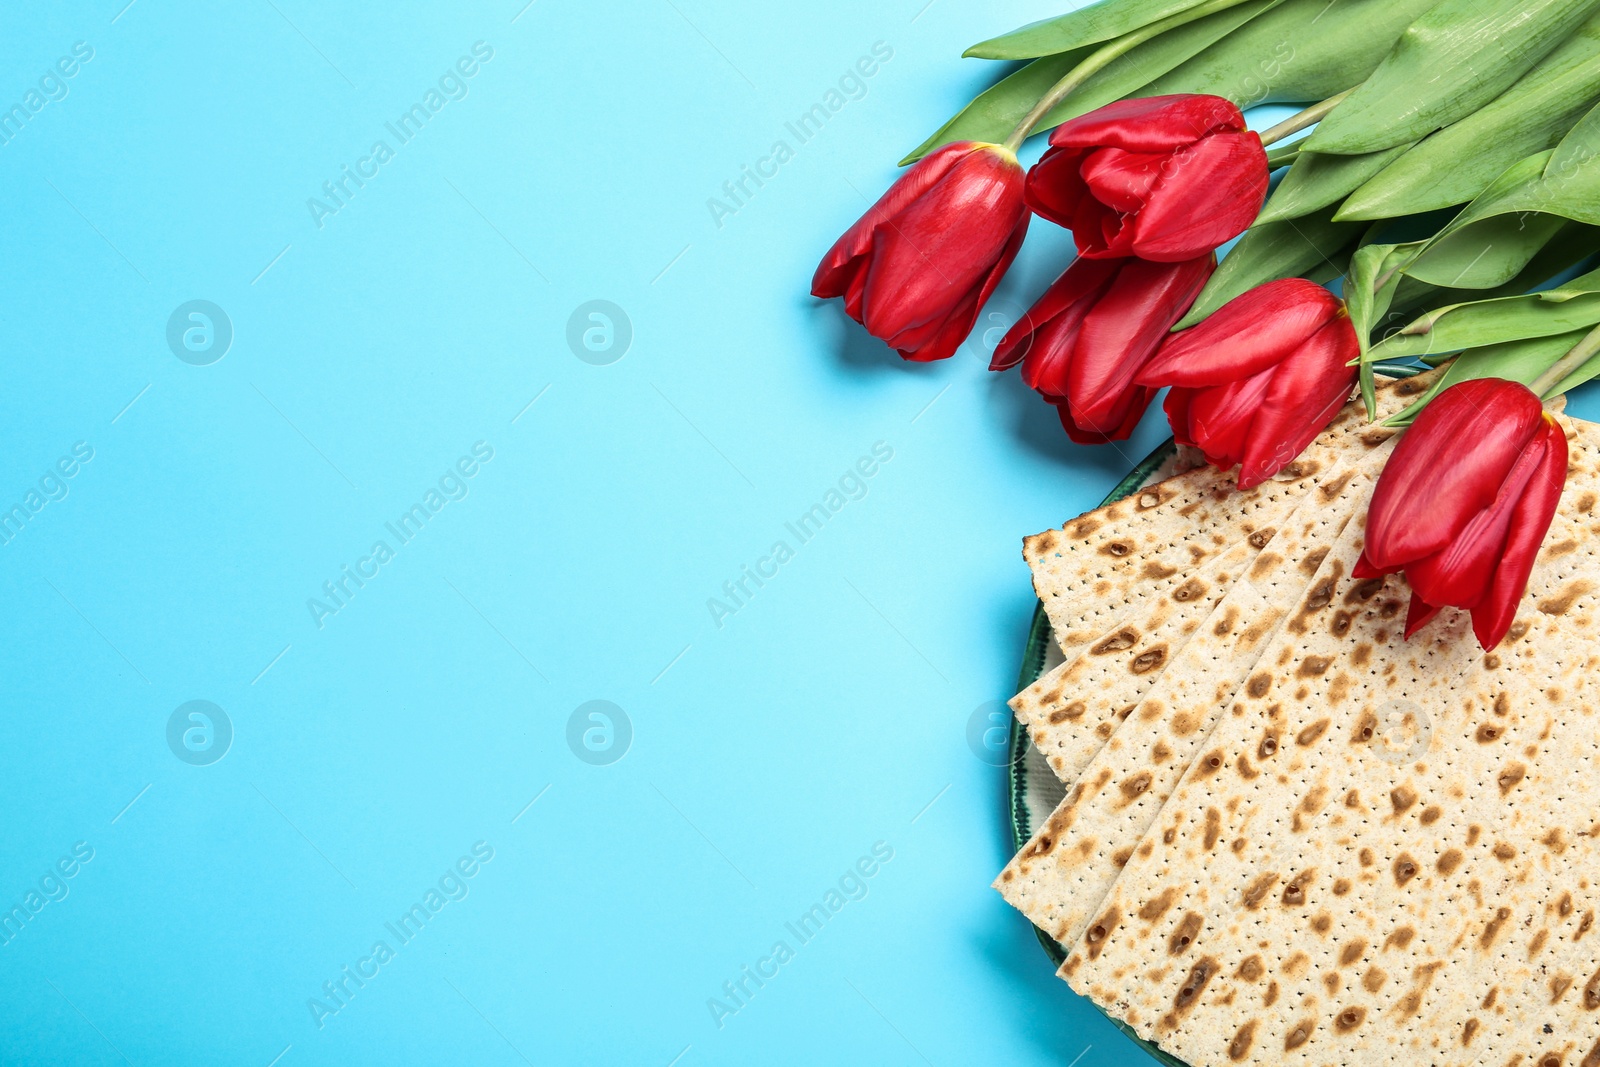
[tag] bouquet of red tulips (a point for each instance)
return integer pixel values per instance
(1448, 186)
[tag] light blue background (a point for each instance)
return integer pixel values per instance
(769, 754)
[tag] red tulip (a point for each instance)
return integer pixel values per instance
(917, 267)
(1166, 178)
(1256, 380)
(1464, 503)
(1084, 340)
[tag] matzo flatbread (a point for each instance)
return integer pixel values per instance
(1446, 912)
(1085, 572)
(1326, 902)
(1546, 1005)
(1407, 884)
(1073, 709)
(1059, 878)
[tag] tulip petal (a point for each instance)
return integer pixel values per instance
(958, 324)
(1177, 407)
(1530, 521)
(846, 259)
(942, 246)
(1123, 329)
(1122, 180)
(1075, 290)
(1055, 186)
(1150, 124)
(1460, 573)
(1208, 193)
(1117, 428)
(1448, 467)
(1046, 367)
(1055, 190)
(855, 287)
(1419, 614)
(1219, 418)
(914, 340)
(1250, 333)
(1101, 232)
(1364, 569)
(1306, 391)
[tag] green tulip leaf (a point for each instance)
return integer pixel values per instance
(1299, 52)
(1457, 163)
(1507, 187)
(1317, 180)
(1457, 57)
(996, 111)
(1573, 306)
(1508, 236)
(1572, 192)
(1369, 389)
(1488, 253)
(1578, 148)
(1293, 50)
(1516, 361)
(1267, 253)
(1570, 246)
(1086, 26)
(1371, 285)
(1332, 268)
(1410, 298)
(1495, 237)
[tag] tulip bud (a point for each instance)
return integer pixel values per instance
(1164, 178)
(918, 266)
(1464, 503)
(1096, 326)
(1258, 379)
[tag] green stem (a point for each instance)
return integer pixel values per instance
(1101, 58)
(1299, 121)
(1283, 157)
(1576, 357)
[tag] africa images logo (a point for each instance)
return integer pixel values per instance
(451, 85)
(451, 886)
(737, 592)
(199, 733)
(199, 332)
(852, 885)
(599, 732)
(338, 592)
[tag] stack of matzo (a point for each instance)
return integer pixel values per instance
(1289, 835)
